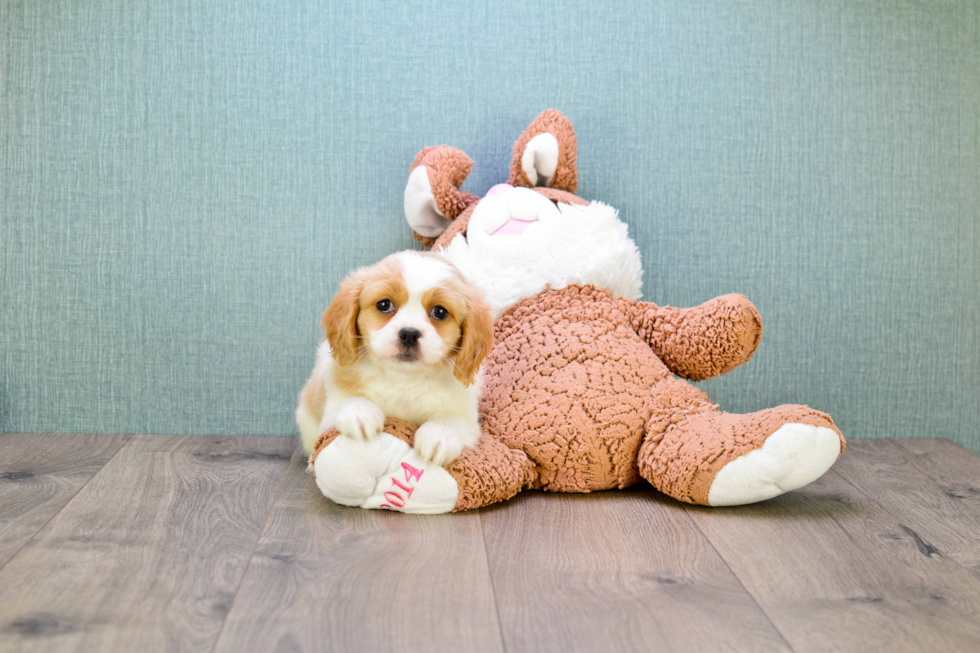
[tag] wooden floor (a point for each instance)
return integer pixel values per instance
(147, 543)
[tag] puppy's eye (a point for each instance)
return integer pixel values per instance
(439, 313)
(385, 306)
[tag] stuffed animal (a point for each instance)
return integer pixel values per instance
(584, 388)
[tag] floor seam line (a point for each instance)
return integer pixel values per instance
(125, 444)
(493, 587)
(751, 596)
(248, 563)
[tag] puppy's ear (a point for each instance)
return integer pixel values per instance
(432, 196)
(340, 320)
(476, 340)
(545, 154)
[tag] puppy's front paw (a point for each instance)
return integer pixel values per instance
(359, 418)
(438, 443)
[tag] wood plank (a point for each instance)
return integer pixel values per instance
(932, 486)
(39, 474)
(615, 571)
(148, 554)
(833, 570)
(326, 577)
(954, 466)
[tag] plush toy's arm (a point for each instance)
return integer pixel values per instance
(701, 342)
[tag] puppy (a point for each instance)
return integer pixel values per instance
(404, 338)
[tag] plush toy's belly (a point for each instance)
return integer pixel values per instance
(570, 383)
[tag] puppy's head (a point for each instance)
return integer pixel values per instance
(412, 308)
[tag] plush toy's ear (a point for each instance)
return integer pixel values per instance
(432, 196)
(545, 154)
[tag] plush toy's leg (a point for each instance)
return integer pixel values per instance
(385, 472)
(708, 457)
(489, 473)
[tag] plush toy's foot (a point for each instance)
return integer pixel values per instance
(794, 456)
(721, 459)
(384, 472)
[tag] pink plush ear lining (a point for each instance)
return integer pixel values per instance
(499, 189)
(512, 227)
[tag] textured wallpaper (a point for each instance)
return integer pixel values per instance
(183, 183)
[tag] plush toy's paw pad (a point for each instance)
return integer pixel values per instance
(359, 419)
(383, 472)
(437, 443)
(793, 456)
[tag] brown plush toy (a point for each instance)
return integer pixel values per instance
(581, 390)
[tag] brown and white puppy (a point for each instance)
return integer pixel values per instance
(405, 338)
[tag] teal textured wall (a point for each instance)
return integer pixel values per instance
(183, 183)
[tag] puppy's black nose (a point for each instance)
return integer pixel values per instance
(409, 336)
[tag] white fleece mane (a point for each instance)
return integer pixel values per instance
(586, 245)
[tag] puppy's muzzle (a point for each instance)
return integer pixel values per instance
(408, 337)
